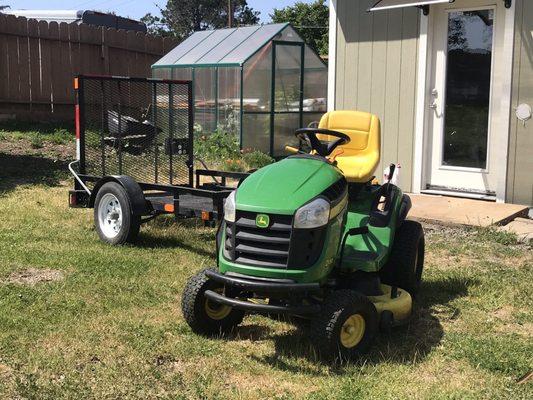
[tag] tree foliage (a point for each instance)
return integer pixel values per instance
(4, 7)
(311, 21)
(182, 17)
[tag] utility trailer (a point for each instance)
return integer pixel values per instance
(134, 146)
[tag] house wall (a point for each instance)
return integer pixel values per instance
(520, 161)
(376, 64)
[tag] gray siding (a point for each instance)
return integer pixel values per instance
(376, 72)
(520, 166)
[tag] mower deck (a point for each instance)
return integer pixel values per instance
(399, 303)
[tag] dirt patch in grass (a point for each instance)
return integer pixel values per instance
(504, 313)
(24, 147)
(508, 325)
(5, 370)
(525, 330)
(252, 385)
(33, 276)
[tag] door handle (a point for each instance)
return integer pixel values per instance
(433, 105)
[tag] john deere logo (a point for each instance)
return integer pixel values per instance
(262, 220)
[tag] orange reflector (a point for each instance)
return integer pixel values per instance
(76, 83)
(206, 215)
(169, 208)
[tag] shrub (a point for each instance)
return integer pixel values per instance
(234, 165)
(216, 146)
(256, 159)
(37, 142)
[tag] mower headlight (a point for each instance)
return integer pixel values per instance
(229, 207)
(312, 215)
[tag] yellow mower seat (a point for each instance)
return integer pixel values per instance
(359, 158)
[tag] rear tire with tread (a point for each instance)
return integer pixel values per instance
(406, 261)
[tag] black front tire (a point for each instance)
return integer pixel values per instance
(329, 331)
(203, 316)
(406, 261)
(130, 223)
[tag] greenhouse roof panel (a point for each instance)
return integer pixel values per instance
(183, 48)
(220, 47)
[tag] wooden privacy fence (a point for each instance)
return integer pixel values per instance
(38, 61)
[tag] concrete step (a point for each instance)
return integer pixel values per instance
(522, 227)
(461, 211)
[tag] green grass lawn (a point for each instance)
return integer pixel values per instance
(108, 323)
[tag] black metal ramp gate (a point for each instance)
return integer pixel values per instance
(137, 127)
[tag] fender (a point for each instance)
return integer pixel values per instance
(139, 205)
(404, 209)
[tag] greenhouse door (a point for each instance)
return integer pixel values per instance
(287, 95)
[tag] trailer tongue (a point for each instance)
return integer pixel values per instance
(135, 156)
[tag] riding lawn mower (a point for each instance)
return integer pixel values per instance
(313, 237)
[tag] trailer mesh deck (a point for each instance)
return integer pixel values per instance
(137, 127)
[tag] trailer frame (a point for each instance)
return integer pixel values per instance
(188, 199)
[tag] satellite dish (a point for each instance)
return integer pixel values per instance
(523, 112)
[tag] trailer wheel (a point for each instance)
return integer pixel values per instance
(113, 216)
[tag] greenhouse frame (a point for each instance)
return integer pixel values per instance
(260, 83)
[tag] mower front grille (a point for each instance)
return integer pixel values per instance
(264, 247)
(277, 246)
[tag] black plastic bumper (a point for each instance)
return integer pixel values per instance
(261, 308)
(263, 285)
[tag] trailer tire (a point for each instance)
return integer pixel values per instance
(114, 220)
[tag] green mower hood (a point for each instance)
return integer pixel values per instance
(283, 187)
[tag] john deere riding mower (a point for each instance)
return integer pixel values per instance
(312, 238)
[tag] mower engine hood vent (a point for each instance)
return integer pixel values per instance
(336, 192)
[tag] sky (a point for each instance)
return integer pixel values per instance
(132, 8)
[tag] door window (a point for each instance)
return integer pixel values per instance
(468, 80)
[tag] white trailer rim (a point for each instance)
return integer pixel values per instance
(110, 215)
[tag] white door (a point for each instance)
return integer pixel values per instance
(463, 103)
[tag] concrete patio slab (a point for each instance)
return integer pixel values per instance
(522, 227)
(460, 211)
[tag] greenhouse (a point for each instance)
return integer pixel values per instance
(260, 83)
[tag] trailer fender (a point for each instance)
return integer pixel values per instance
(139, 205)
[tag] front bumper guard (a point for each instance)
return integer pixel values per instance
(261, 308)
(265, 287)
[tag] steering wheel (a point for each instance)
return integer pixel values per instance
(322, 149)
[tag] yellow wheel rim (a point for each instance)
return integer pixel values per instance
(216, 311)
(352, 331)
